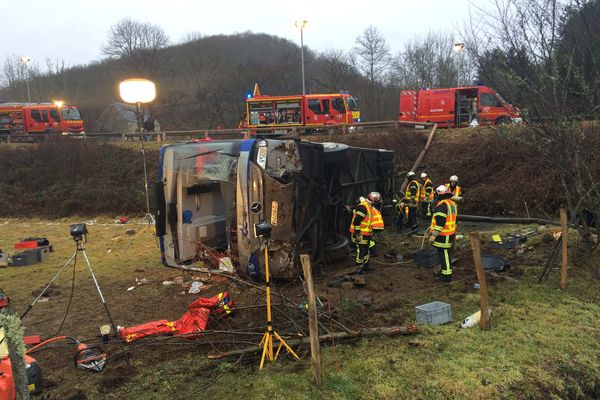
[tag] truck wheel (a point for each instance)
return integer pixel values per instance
(502, 121)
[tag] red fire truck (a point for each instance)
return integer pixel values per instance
(455, 107)
(26, 120)
(312, 111)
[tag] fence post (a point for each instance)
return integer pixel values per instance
(313, 329)
(565, 243)
(483, 294)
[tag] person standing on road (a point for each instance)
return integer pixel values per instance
(426, 196)
(362, 231)
(442, 231)
(411, 199)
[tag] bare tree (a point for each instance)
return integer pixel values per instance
(336, 70)
(429, 61)
(137, 43)
(520, 44)
(373, 55)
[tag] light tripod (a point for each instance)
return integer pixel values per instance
(148, 218)
(263, 229)
(79, 249)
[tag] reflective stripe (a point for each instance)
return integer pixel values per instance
(449, 227)
(455, 191)
(446, 265)
(365, 225)
(427, 192)
(377, 220)
(407, 193)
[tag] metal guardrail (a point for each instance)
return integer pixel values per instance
(245, 133)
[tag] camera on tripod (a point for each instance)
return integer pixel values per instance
(78, 232)
(263, 229)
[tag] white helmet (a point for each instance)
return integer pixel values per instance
(454, 178)
(374, 196)
(442, 189)
(410, 174)
(423, 175)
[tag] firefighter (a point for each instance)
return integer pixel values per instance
(361, 230)
(411, 199)
(377, 226)
(455, 188)
(442, 231)
(426, 196)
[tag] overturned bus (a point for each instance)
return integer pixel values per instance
(210, 195)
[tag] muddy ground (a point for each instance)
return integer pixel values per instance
(392, 289)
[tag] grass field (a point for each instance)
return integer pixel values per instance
(544, 342)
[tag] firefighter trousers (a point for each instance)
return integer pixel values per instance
(445, 257)
(362, 252)
(412, 217)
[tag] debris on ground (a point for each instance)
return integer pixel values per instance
(190, 324)
(473, 319)
(195, 288)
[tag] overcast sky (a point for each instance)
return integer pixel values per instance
(75, 30)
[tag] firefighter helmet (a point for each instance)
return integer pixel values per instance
(454, 178)
(410, 174)
(423, 175)
(374, 196)
(442, 189)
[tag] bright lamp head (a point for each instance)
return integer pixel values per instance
(137, 90)
(457, 47)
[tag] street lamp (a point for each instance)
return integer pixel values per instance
(138, 91)
(458, 47)
(301, 25)
(25, 60)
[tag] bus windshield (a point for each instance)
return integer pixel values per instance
(70, 113)
(352, 103)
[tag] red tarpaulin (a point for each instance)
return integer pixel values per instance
(193, 321)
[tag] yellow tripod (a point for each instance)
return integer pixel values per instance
(267, 340)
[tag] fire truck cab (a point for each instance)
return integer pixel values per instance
(311, 110)
(28, 119)
(456, 107)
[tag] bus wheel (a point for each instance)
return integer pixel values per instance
(502, 121)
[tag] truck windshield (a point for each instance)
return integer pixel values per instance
(70, 113)
(352, 103)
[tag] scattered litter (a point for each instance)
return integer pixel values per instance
(460, 237)
(123, 220)
(195, 288)
(476, 286)
(142, 281)
(178, 280)
(129, 289)
(225, 264)
(109, 251)
(43, 299)
(167, 283)
(473, 319)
